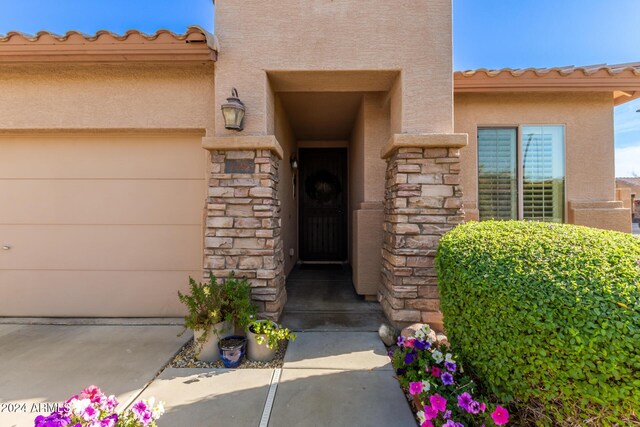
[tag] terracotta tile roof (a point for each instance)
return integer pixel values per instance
(587, 70)
(631, 181)
(623, 80)
(196, 44)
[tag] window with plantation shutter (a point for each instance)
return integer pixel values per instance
(543, 173)
(521, 178)
(497, 173)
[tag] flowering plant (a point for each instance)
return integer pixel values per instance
(440, 389)
(270, 332)
(92, 408)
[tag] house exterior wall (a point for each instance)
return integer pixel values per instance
(105, 171)
(589, 149)
(108, 96)
(329, 36)
(289, 202)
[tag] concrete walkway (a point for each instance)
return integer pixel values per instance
(328, 379)
(43, 365)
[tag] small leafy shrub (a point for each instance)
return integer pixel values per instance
(442, 392)
(93, 408)
(270, 332)
(210, 303)
(547, 314)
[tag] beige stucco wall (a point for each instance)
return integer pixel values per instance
(589, 149)
(107, 96)
(256, 37)
(367, 182)
(289, 203)
(105, 172)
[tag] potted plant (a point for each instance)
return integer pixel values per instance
(214, 310)
(232, 350)
(263, 337)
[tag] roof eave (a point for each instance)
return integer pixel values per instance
(196, 45)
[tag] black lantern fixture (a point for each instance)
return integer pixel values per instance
(233, 112)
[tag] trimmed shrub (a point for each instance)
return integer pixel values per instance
(547, 312)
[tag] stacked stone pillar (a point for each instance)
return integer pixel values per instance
(423, 200)
(243, 222)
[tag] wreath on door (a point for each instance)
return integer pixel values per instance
(323, 186)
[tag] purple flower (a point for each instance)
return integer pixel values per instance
(110, 421)
(451, 366)
(401, 371)
(451, 423)
(447, 378)
(447, 414)
(422, 345)
(54, 420)
(474, 407)
(409, 358)
(464, 400)
(400, 342)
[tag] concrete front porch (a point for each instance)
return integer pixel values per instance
(328, 378)
(321, 297)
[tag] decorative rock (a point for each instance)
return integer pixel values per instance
(442, 339)
(388, 334)
(411, 330)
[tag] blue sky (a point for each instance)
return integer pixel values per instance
(487, 33)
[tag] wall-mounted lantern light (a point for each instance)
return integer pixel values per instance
(294, 168)
(233, 112)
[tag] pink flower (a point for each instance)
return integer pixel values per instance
(90, 413)
(415, 388)
(435, 371)
(92, 393)
(438, 402)
(426, 423)
(409, 342)
(430, 413)
(500, 416)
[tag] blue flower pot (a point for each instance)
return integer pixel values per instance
(232, 350)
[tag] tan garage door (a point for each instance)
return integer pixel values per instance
(99, 225)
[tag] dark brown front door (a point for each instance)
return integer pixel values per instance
(323, 204)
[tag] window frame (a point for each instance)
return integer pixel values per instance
(520, 164)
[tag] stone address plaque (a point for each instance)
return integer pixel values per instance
(246, 166)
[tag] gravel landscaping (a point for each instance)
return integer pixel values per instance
(186, 358)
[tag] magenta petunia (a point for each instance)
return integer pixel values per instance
(435, 371)
(426, 423)
(438, 402)
(430, 413)
(500, 416)
(415, 388)
(409, 342)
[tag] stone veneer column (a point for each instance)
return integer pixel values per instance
(243, 217)
(423, 200)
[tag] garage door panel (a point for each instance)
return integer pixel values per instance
(162, 157)
(101, 247)
(40, 201)
(93, 293)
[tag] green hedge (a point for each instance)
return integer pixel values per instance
(549, 312)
